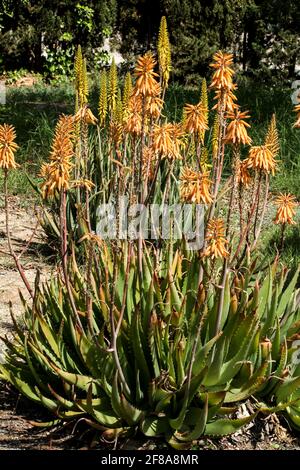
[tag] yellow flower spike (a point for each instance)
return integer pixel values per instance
(8, 147)
(102, 108)
(78, 67)
(261, 158)
(119, 108)
(237, 128)
(145, 75)
(272, 140)
(78, 63)
(195, 186)
(204, 159)
(164, 52)
(204, 101)
(81, 79)
(286, 204)
(215, 236)
(112, 87)
(85, 84)
(215, 136)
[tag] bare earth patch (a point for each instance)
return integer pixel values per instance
(22, 224)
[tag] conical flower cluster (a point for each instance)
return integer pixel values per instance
(261, 158)
(195, 186)
(286, 204)
(195, 119)
(236, 132)
(222, 81)
(164, 52)
(81, 80)
(56, 174)
(102, 107)
(167, 140)
(8, 147)
(112, 87)
(145, 75)
(215, 237)
(272, 140)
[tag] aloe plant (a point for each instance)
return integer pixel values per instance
(144, 355)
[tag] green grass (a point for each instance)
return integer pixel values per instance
(33, 111)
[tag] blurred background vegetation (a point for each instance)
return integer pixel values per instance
(41, 35)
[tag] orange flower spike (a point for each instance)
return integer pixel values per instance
(162, 141)
(56, 174)
(243, 176)
(215, 237)
(133, 118)
(8, 147)
(149, 161)
(154, 103)
(261, 158)
(145, 75)
(237, 128)
(195, 186)
(286, 204)
(229, 98)
(195, 118)
(222, 77)
(166, 140)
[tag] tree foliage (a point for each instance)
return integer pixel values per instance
(30, 27)
(264, 35)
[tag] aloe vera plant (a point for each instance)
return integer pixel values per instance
(144, 355)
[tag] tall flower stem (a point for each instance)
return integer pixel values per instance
(221, 297)
(114, 331)
(141, 194)
(64, 254)
(10, 247)
(257, 232)
(281, 244)
(247, 228)
(236, 157)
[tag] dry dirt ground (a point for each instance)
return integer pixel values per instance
(22, 225)
(16, 412)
